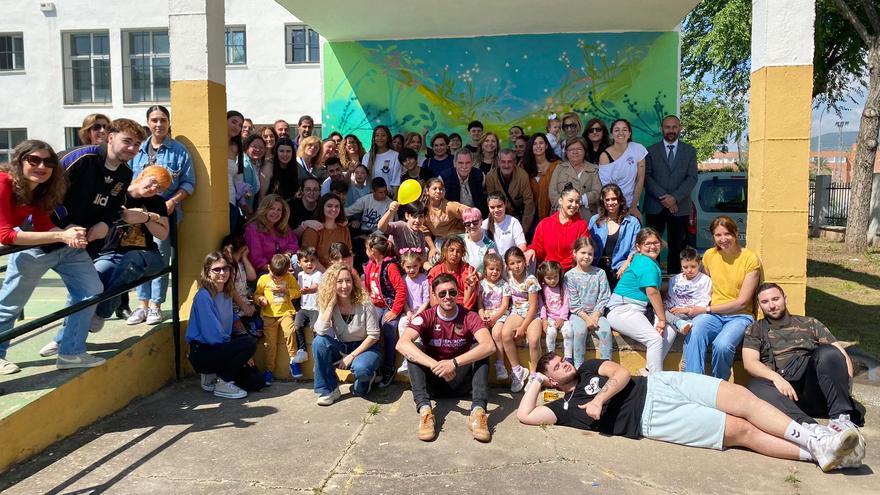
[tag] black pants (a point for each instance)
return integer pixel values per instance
(676, 237)
(224, 359)
(471, 379)
(823, 390)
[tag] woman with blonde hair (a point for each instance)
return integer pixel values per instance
(94, 129)
(308, 156)
(488, 147)
(351, 152)
(346, 335)
(268, 232)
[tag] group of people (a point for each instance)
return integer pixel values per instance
(522, 246)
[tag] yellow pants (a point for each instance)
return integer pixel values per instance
(271, 327)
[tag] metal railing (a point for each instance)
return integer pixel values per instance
(171, 269)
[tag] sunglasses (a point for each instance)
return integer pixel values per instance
(99, 127)
(570, 126)
(220, 269)
(36, 161)
(473, 223)
(443, 294)
(595, 130)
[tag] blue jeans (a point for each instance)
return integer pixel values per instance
(118, 269)
(579, 329)
(390, 337)
(155, 290)
(725, 332)
(23, 273)
(326, 351)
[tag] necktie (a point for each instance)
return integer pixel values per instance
(670, 156)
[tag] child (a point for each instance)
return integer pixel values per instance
(554, 311)
(274, 294)
(524, 288)
(308, 280)
(691, 287)
(418, 294)
(235, 249)
(388, 294)
(554, 131)
(588, 295)
(493, 306)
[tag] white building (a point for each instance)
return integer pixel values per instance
(62, 60)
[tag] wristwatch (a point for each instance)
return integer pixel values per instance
(708, 309)
(455, 362)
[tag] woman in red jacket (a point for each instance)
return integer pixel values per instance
(556, 234)
(387, 290)
(452, 262)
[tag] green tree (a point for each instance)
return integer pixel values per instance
(709, 117)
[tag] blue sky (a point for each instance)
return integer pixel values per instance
(852, 114)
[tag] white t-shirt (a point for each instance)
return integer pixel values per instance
(508, 233)
(368, 211)
(305, 280)
(624, 170)
(684, 292)
(231, 172)
(386, 166)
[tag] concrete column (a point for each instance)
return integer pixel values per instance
(779, 141)
(198, 108)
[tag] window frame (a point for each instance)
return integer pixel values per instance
(67, 67)
(289, 47)
(8, 152)
(12, 37)
(226, 32)
(127, 62)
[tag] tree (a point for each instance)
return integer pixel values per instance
(708, 117)
(716, 49)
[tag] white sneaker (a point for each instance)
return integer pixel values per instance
(96, 325)
(84, 360)
(8, 367)
(842, 423)
(404, 368)
(501, 372)
(154, 316)
(49, 349)
(301, 356)
(228, 390)
(138, 316)
(209, 380)
(326, 400)
(518, 380)
(829, 450)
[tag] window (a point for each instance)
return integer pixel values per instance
(87, 68)
(9, 139)
(302, 45)
(11, 52)
(71, 138)
(147, 76)
(724, 195)
(236, 47)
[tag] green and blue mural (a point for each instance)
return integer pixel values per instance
(441, 84)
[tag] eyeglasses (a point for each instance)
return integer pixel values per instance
(99, 127)
(651, 243)
(36, 161)
(595, 130)
(473, 223)
(570, 126)
(220, 269)
(443, 294)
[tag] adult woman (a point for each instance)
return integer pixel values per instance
(503, 229)
(571, 126)
(254, 151)
(331, 214)
(519, 147)
(623, 163)
(32, 186)
(269, 137)
(614, 230)
(514, 133)
(540, 162)
(382, 160)
(444, 217)
(487, 152)
(346, 335)
(161, 150)
(308, 156)
(397, 142)
(442, 160)
(329, 150)
(596, 135)
(476, 242)
(639, 287)
(268, 232)
(452, 262)
(556, 234)
(212, 350)
(583, 175)
(735, 273)
(234, 164)
(283, 176)
(94, 129)
(351, 153)
(413, 141)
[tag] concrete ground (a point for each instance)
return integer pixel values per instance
(184, 440)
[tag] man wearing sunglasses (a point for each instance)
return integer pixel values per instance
(450, 360)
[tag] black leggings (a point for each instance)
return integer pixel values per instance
(225, 359)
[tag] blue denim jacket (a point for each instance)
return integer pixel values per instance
(626, 239)
(174, 157)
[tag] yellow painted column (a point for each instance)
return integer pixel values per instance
(779, 141)
(198, 106)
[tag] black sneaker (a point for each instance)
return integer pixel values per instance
(387, 377)
(123, 312)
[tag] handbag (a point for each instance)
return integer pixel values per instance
(796, 367)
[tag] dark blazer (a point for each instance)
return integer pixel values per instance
(677, 179)
(476, 180)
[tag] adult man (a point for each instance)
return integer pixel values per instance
(475, 131)
(797, 365)
(670, 176)
(683, 408)
(303, 129)
(334, 172)
(447, 363)
(303, 209)
(247, 126)
(282, 129)
(464, 183)
(512, 183)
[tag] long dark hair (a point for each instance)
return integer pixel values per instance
(237, 140)
(45, 196)
(319, 211)
(371, 162)
(529, 163)
(498, 197)
(205, 278)
(622, 208)
(605, 138)
(284, 179)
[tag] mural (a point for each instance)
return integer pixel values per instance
(441, 84)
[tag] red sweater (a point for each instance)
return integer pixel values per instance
(374, 285)
(12, 215)
(553, 240)
(461, 276)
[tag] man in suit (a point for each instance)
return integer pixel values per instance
(465, 183)
(670, 176)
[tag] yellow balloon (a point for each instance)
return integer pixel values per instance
(409, 191)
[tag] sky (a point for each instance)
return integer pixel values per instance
(852, 114)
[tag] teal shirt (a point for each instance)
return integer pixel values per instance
(643, 272)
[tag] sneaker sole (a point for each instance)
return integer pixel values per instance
(849, 443)
(229, 396)
(71, 366)
(9, 371)
(47, 354)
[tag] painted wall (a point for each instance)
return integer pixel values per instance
(441, 84)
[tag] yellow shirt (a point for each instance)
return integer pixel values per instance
(278, 295)
(728, 273)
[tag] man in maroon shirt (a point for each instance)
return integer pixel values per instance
(447, 363)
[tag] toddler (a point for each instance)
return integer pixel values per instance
(418, 294)
(555, 310)
(493, 303)
(274, 295)
(691, 287)
(308, 279)
(554, 131)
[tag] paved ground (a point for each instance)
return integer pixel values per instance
(183, 440)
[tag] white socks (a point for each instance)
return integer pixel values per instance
(796, 433)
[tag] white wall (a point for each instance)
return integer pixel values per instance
(265, 90)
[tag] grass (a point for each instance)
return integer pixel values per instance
(843, 292)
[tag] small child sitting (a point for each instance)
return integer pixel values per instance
(418, 295)
(691, 287)
(274, 295)
(555, 310)
(308, 279)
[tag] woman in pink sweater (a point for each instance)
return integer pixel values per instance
(268, 233)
